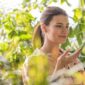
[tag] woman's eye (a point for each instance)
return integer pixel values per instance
(59, 26)
(62, 27)
(67, 27)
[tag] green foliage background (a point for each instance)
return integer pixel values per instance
(16, 28)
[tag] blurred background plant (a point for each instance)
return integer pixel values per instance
(16, 28)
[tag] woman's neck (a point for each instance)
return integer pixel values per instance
(50, 48)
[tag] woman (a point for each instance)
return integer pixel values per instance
(53, 31)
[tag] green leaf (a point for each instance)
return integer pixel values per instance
(62, 1)
(25, 37)
(67, 3)
(41, 8)
(82, 59)
(54, 0)
(35, 6)
(12, 34)
(77, 14)
(71, 32)
(67, 43)
(4, 46)
(82, 2)
(26, 1)
(79, 39)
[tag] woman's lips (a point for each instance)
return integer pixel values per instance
(63, 36)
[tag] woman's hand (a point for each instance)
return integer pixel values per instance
(66, 59)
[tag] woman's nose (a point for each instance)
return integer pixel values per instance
(65, 30)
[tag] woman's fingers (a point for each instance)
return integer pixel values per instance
(76, 54)
(65, 54)
(66, 59)
(62, 59)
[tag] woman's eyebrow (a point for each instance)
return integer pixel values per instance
(62, 23)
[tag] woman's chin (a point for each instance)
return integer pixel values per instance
(62, 42)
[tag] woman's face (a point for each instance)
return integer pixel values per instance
(57, 30)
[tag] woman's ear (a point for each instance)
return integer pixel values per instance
(43, 28)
